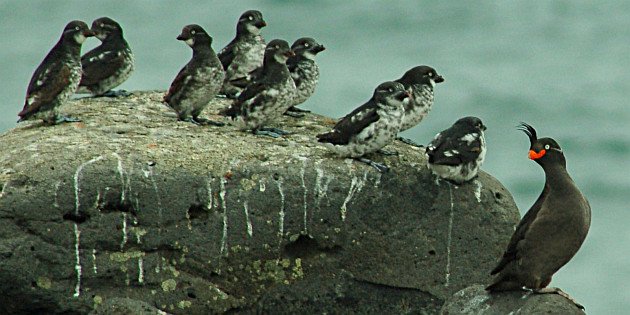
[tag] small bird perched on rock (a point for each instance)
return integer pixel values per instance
(420, 83)
(199, 81)
(244, 53)
(552, 230)
(371, 126)
(267, 98)
(108, 65)
(304, 71)
(57, 77)
(455, 154)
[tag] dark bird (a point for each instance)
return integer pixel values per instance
(552, 230)
(108, 65)
(244, 53)
(267, 98)
(420, 82)
(57, 77)
(370, 126)
(304, 70)
(455, 154)
(199, 81)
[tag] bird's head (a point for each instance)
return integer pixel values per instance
(251, 21)
(421, 75)
(78, 31)
(391, 93)
(278, 50)
(307, 47)
(193, 34)
(104, 27)
(542, 150)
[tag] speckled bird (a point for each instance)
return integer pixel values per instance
(108, 65)
(267, 98)
(304, 70)
(244, 53)
(199, 81)
(457, 153)
(371, 126)
(57, 77)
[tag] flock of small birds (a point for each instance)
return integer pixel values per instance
(268, 80)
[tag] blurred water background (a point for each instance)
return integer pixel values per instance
(561, 66)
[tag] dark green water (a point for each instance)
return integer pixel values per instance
(561, 66)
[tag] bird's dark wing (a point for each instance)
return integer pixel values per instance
(45, 85)
(352, 124)
(178, 84)
(227, 54)
(455, 150)
(243, 82)
(253, 96)
(511, 253)
(99, 64)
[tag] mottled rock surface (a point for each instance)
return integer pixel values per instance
(131, 209)
(475, 300)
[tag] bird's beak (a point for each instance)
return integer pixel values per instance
(439, 79)
(261, 24)
(319, 48)
(289, 53)
(533, 155)
(88, 33)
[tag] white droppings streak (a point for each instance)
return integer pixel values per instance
(262, 186)
(188, 221)
(94, 261)
(149, 174)
(222, 193)
(281, 213)
(77, 189)
(121, 172)
(55, 203)
(355, 186)
(209, 196)
(250, 230)
(124, 230)
(140, 270)
(321, 184)
(478, 187)
(302, 177)
(450, 237)
(77, 266)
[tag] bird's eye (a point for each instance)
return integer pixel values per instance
(390, 90)
(77, 28)
(430, 74)
(250, 18)
(306, 45)
(546, 147)
(102, 25)
(193, 32)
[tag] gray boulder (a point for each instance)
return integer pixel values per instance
(132, 209)
(475, 300)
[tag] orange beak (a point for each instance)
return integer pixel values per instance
(533, 155)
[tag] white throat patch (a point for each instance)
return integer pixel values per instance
(79, 38)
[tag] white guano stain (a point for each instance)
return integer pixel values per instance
(356, 185)
(209, 194)
(124, 231)
(77, 265)
(478, 187)
(281, 213)
(222, 194)
(250, 229)
(77, 178)
(449, 238)
(121, 173)
(304, 197)
(94, 268)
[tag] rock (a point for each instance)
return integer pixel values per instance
(475, 300)
(123, 306)
(132, 204)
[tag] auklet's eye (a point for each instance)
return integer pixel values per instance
(390, 90)
(546, 147)
(193, 32)
(250, 18)
(306, 45)
(430, 74)
(77, 28)
(102, 25)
